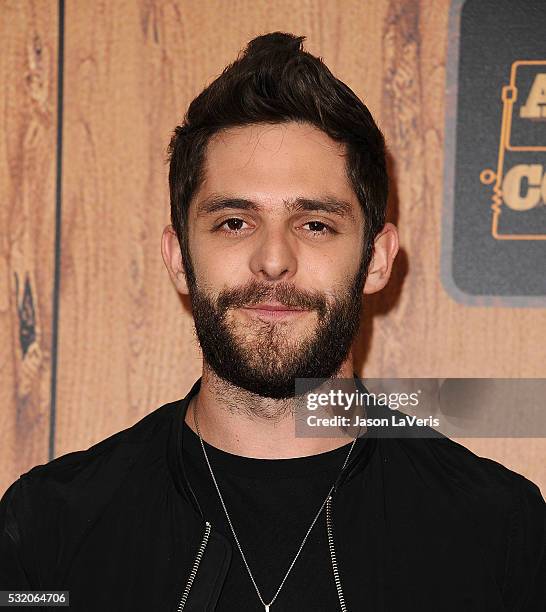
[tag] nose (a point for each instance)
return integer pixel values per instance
(274, 257)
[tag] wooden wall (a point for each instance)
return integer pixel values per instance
(93, 336)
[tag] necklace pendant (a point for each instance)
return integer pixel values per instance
(266, 608)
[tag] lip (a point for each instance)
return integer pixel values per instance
(273, 311)
(274, 306)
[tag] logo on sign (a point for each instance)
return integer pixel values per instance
(519, 182)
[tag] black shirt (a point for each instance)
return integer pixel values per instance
(419, 524)
(271, 504)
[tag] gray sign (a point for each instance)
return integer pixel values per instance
(494, 218)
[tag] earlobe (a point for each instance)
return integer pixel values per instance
(182, 285)
(172, 258)
(385, 250)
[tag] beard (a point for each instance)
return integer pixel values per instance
(264, 357)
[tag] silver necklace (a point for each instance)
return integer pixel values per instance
(266, 606)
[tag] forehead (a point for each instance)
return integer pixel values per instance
(275, 161)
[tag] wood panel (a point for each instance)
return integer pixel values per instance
(126, 341)
(124, 338)
(131, 77)
(28, 111)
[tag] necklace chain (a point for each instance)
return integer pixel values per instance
(266, 606)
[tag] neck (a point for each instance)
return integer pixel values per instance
(245, 424)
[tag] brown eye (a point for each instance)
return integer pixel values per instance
(317, 227)
(233, 225)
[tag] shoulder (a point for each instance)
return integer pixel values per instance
(51, 506)
(466, 467)
(504, 511)
(80, 481)
(425, 451)
(114, 452)
(451, 466)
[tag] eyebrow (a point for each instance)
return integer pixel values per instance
(216, 202)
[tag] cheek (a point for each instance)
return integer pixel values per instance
(218, 269)
(330, 273)
(329, 267)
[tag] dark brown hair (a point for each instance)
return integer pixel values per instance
(275, 81)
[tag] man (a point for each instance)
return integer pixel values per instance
(278, 196)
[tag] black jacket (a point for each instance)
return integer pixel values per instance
(419, 524)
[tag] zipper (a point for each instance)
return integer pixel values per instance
(329, 529)
(195, 567)
(333, 553)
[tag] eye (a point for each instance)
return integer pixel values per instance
(233, 225)
(319, 228)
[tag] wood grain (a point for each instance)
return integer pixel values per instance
(126, 342)
(28, 108)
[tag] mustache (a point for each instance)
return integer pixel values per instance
(255, 292)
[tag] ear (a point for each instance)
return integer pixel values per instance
(170, 250)
(385, 250)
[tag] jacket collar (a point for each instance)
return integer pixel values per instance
(360, 455)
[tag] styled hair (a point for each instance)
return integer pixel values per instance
(275, 81)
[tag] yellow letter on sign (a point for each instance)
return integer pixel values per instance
(535, 107)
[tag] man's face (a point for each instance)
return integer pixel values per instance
(275, 223)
